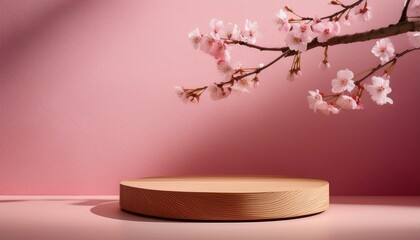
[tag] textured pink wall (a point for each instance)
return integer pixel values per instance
(87, 99)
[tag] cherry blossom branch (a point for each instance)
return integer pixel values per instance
(336, 16)
(303, 34)
(391, 30)
(256, 71)
(404, 12)
(261, 48)
(347, 93)
(333, 16)
(379, 66)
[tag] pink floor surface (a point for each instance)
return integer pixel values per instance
(99, 217)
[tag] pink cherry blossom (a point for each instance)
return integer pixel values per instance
(195, 37)
(207, 42)
(348, 18)
(326, 108)
(226, 55)
(251, 31)
(218, 50)
(231, 31)
(242, 85)
(363, 12)
(379, 90)
(180, 92)
(314, 99)
(316, 102)
(217, 93)
(224, 67)
(326, 30)
(324, 65)
(216, 25)
(343, 82)
(414, 39)
(347, 102)
(384, 49)
(414, 9)
(255, 82)
(316, 19)
(293, 75)
(282, 21)
(299, 37)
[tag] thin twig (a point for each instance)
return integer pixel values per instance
(256, 71)
(404, 12)
(398, 55)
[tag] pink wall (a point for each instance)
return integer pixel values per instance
(87, 100)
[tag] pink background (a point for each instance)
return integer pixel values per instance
(87, 100)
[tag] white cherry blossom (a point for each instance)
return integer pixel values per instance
(293, 75)
(384, 50)
(363, 12)
(218, 50)
(230, 31)
(379, 90)
(315, 100)
(251, 31)
(216, 25)
(299, 37)
(343, 82)
(195, 37)
(347, 102)
(282, 21)
(324, 65)
(224, 67)
(414, 39)
(326, 108)
(348, 19)
(326, 30)
(207, 42)
(242, 85)
(217, 93)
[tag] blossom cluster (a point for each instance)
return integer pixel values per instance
(302, 30)
(347, 92)
(216, 43)
(301, 34)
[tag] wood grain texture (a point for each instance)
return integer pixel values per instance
(225, 198)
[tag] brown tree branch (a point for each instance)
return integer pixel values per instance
(404, 12)
(391, 30)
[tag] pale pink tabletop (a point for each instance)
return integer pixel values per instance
(99, 217)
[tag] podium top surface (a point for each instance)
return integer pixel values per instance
(225, 184)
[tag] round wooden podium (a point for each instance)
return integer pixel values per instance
(230, 198)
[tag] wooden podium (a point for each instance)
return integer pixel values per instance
(230, 198)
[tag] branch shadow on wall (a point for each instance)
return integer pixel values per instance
(34, 28)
